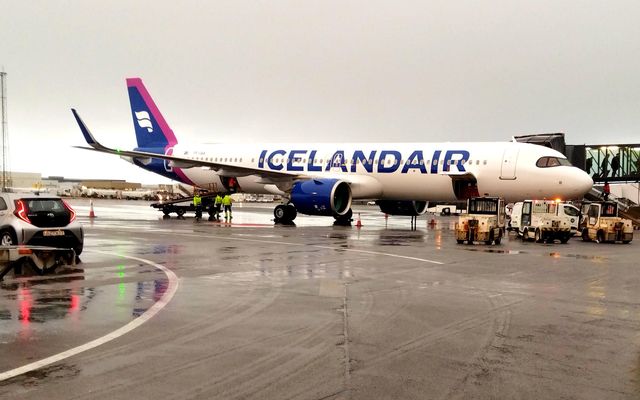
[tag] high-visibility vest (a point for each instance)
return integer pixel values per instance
(218, 199)
(226, 200)
(197, 200)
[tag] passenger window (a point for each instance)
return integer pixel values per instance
(3, 205)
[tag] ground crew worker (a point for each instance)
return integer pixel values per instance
(197, 203)
(226, 202)
(217, 203)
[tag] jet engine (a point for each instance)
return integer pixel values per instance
(326, 197)
(403, 207)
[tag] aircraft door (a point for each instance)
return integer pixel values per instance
(509, 161)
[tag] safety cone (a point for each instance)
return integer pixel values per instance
(359, 222)
(91, 213)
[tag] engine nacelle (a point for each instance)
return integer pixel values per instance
(403, 207)
(327, 197)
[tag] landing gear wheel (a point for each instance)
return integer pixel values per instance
(291, 212)
(345, 219)
(280, 212)
(285, 213)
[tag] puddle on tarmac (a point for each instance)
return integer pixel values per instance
(34, 306)
(554, 254)
(498, 251)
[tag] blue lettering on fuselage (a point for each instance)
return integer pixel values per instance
(415, 160)
(336, 161)
(388, 161)
(270, 160)
(367, 163)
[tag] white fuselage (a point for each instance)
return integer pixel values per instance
(406, 171)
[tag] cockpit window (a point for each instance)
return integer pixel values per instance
(546, 162)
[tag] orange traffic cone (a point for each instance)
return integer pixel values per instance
(91, 213)
(359, 222)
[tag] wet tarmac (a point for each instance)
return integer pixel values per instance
(315, 311)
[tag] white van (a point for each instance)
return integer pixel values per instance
(544, 220)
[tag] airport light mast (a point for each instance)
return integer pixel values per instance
(6, 177)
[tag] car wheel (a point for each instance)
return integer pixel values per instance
(538, 236)
(8, 238)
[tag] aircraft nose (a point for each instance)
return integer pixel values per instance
(583, 182)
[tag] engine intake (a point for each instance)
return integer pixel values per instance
(326, 197)
(403, 207)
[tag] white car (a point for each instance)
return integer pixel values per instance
(39, 220)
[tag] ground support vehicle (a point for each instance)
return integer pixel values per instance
(542, 221)
(42, 259)
(483, 221)
(185, 204)
(600, 223)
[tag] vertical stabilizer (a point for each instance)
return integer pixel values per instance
(152, 131)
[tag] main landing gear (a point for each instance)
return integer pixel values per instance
(286, 213)
(344, 220)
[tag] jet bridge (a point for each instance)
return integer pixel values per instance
(603, 162)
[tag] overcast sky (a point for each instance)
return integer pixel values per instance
(228, 71)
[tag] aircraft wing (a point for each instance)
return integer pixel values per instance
(185, 162)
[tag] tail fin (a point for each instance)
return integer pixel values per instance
(151, 128)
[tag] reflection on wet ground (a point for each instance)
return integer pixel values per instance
(553, 254)
(92, 295)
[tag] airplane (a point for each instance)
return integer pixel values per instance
(324, 178)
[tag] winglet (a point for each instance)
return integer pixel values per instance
(86, 133)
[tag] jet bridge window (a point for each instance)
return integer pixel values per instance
(547, 162)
